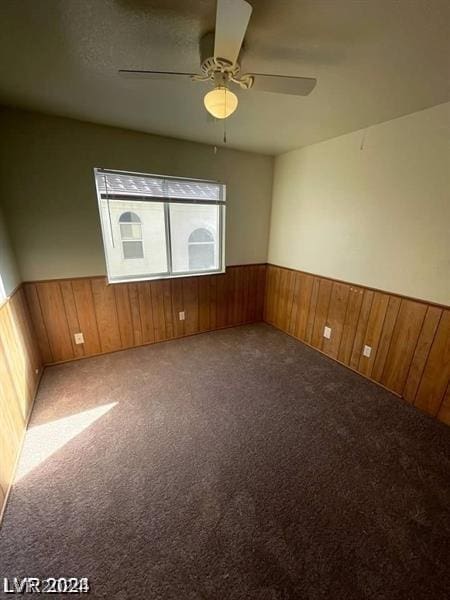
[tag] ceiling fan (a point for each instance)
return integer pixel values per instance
(219, 53)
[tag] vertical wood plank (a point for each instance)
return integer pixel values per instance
(12, 400)
(361, 328)
(305, 292)
(417, 366)
(320, 318)
(261, 292)
(403, 344)
(312, 310)
(276, 278)
(436, 375)
(268, 300)
(190, 295)
(24, 325)
(241, 294)
(72, 316)
(351, 319)
(246, 274)
(230, 295)
(38, 322)
(237, 310)
(55, 320)
(106, 315)
(373, 332)
(336, 316)
(168, 311)
(252, 291)
(12, 417)
(221, 300)
(177, 307)
(146, 312)
(281, 304)
(290, 282)
(385, 339)
(203, 304)
(15, 357)
(159, 323)
(213, 302)
(133, 295)
(124, 315)
(295, 303)
(84, 303)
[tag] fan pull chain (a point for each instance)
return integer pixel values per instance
(225, 120)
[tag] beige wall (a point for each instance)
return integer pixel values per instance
(50, 202)
(9, 273)
(377, 215)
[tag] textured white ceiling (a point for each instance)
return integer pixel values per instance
(374, 60)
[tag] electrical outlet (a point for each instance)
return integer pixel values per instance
(79, 338)
(327, 332)
(181, 315)
(367, 351)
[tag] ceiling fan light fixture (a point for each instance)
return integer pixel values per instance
(220, 102)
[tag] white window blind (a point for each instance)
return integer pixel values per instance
(154, 187)
(159, 240)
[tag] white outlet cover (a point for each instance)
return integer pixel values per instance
(327, 332)
(367, 351)
(79, 338)
(181, 315)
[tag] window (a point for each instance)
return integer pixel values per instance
(155, 226)
(131, 234)
(201, 249)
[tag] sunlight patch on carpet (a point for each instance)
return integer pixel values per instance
(44, 440)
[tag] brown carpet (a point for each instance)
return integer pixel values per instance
(232, 465)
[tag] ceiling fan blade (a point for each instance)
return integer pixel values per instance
(132, 74)
(232, 19)
(283, 84)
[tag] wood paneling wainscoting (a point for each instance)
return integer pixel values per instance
(410, 339)
(20, 370)
(122, 315)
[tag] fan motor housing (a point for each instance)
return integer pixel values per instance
(218, 69)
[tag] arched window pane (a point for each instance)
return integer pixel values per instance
(129, 217)
(201, 249)
(131, 234)
(201, 235)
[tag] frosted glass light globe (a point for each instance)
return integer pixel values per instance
(220, 102)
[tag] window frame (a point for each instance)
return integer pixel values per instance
(169, 274)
